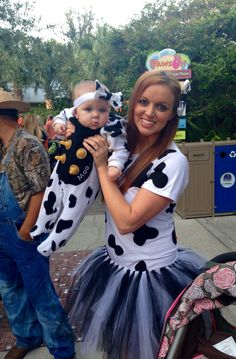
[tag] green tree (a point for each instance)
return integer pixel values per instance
(15, 23)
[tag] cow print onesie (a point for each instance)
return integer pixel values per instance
(74, 186)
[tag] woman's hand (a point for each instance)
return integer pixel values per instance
(25, 235)
(98, 147)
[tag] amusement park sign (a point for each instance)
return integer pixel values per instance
(169, 60)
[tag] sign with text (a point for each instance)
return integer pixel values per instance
(169, 60)
(180, 135)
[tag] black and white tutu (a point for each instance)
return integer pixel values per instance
(121, 311)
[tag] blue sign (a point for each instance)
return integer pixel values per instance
(182, 122)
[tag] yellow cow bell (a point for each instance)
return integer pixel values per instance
(81, 153)
(73, 170)
(61, 158)
(66, 143)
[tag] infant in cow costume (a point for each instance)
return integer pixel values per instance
(74, 185)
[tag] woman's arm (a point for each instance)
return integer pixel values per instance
(32, 215)
(127, 216)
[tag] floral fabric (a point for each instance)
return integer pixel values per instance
(204, 294)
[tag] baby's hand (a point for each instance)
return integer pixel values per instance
(114, 173)
(60, 129)
(70, 128)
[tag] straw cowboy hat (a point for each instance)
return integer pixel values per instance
(8, 101)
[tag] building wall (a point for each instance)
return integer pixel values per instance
(32, 96)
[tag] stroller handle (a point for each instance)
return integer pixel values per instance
(225, 257)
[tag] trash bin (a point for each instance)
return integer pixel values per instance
(212, 179)
(197, 199)
(225, 179)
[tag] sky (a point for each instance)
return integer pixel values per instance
(114, 13)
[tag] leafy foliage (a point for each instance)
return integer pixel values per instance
(203, 29)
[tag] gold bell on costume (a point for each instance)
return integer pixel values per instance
(66, 143)
(74, 170)
(81, 153)
(61, 158)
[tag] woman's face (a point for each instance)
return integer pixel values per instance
(153, 110)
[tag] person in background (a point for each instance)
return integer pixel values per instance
(53, 140)
(20, 120)
(51, 134)
(122, 291)
(32, 306)
(32, 125)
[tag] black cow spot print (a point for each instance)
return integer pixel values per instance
(89, 192)
(143, 234)
(37, 237)
(174, 237)
(49, 203)
(72, 201)
(63, 224)
(50, 182)
(165, 153)
(115, 130)
(112, 243)
(141, 266)
(159, 178)
(171, 207)
(34, 228)
(49, 225)
(127, 163)
(53, 246)
(62, 243)
(142, 177)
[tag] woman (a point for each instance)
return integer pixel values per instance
(121, 293)
(32, 125)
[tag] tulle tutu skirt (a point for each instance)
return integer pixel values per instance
(120, 311)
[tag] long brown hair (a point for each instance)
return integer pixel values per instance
(31, 125)
(166, 135)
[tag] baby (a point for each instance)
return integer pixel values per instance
(74, 185)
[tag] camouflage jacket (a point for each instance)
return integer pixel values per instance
(28, 170)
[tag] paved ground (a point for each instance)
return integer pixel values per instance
(207, 236)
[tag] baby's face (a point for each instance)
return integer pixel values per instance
(93, 114)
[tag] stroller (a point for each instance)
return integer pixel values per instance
(195, 323)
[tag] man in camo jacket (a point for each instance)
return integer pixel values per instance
(31, 303)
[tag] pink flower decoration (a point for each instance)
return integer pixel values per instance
(213, 269)
(224, 278)
(173, 322)
(195, 292)
(203, 304)
(199, 281)
(164, 348)
(210, 287)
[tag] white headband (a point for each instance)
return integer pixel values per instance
(114, 99)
